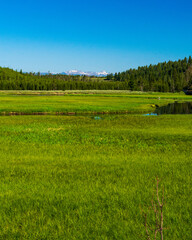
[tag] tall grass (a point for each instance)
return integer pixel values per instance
(75, 177)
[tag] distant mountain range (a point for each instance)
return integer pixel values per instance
(77, 72)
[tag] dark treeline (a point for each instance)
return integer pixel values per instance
(163, 77)
(13, 80)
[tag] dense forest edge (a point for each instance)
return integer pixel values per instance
(162, 77)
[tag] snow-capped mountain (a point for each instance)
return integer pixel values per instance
(77, 72)
(89, 73)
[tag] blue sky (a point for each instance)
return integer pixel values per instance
(93, 35)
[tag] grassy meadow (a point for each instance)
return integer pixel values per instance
(74, 177)
(84, 102)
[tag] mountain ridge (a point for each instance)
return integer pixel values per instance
(79, 72)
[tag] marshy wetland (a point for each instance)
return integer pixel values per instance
(78, 177)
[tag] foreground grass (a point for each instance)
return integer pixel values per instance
(84, 102)
(78, 178)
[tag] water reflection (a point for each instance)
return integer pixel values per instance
(150, 114)
(175, 108)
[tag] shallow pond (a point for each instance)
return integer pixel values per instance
(175, 108)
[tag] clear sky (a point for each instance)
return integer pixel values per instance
(93, 35)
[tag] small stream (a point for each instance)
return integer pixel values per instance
(171, 108)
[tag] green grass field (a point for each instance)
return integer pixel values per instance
(82, 102)
(74, 177)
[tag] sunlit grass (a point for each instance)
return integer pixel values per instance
(83, 102)
(73, 177)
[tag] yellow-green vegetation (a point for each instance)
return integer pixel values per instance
(83, 102)
(74, 177)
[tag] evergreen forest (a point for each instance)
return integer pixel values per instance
(172, 76)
